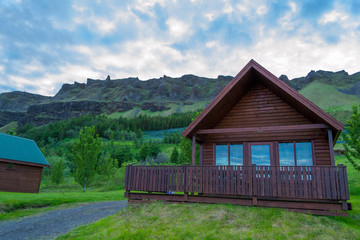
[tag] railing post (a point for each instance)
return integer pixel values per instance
(253, 180)
(186, 182)
(342, 184)
(127, 182)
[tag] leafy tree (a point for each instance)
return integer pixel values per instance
(154, 149)
(174, 157)
(57, 172)
(352, 138)
(144, 151)
(85, 155)
(122, 153)
(12, 132)
(107, 166)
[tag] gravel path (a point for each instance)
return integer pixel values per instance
(57, 222)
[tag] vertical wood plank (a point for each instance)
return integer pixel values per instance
(331, 147)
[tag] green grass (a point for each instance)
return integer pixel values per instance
(326, 96)
(214, 221)
(173, 109)
(8, 127)
(12, 204)
(224, 221)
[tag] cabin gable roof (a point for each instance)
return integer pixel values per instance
(254, 73)
(20, 150)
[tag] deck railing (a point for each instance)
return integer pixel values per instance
(285, 182)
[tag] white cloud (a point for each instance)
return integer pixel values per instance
(333, 16)
(177, 28)
(262, 10)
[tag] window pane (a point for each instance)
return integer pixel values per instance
(236, 154)
(222, 155)
(286, 154)
(304, 154)
(260, 154)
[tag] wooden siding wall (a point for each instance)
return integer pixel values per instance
(258, 108)
(20, 178)
(322, 152)
(207, 154)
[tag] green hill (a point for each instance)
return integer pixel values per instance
(326, 96)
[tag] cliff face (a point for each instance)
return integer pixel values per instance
(120, 95)
(108, 96)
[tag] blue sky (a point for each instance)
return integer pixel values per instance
(44, 44)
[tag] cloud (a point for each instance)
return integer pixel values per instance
(45, 43)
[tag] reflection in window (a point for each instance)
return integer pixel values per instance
(236, 154)
(222, 155)
(286, 154)
(304, 154)
(260, 154)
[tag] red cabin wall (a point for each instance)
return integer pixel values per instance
(20, 178)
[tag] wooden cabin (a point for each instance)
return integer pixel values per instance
(261, 143)
(21, 164)
(259, 119)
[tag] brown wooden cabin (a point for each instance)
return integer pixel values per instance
(21, 164)
(261, 143)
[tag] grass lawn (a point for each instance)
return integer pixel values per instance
(224, 221)
(22, 204)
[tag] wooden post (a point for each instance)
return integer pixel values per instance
(331, 147)
(201, 155)
(186, 182)
(193, 150)
(253, 184)
(127, 180)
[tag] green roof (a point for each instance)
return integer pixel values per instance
(20, 149)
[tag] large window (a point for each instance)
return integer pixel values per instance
(222, 155)
(236, 154)
(295, 154)
(304, 154)
(260, 154)
(286, 154)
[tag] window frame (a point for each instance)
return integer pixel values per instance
(295, 155)
(228, 152)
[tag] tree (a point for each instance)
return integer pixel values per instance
(57, 172)
(85, 156)
(174, 157)
(12, 132)
(144, 151)
(352, 138)
(107, 166)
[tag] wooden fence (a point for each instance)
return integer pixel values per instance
(284, 182)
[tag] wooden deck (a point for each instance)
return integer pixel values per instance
(310, 188)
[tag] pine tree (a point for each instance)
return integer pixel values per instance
(174, 158)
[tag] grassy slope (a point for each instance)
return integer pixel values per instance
(224, 221)
(173, 109)
(329, 99)
(8, 127)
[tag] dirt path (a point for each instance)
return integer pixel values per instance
(53, 223)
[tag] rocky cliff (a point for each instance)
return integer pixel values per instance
(121, 95)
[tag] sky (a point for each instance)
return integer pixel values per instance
(44, 44)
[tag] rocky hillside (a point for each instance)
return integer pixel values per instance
(111, 96)
(335, 92)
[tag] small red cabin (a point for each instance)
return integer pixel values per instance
(261, 143)
(21, 164)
